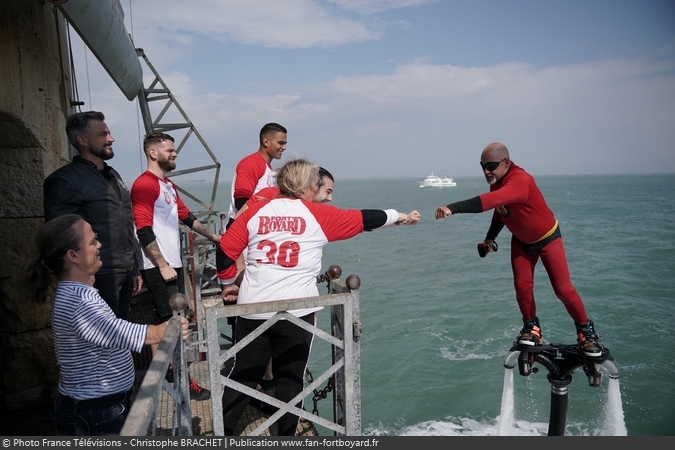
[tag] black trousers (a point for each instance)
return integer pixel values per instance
(162, 291)
(116, 290)
(289, 347)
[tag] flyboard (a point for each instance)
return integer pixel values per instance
(560, 360)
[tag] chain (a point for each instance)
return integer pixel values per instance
(324, 278)
(323, 393)
(320, 394)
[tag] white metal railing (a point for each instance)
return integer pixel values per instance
(344, 340)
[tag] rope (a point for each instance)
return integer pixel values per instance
(131, 20)
(141, 154)
(73, 77)
(140, 143)
(86, 65)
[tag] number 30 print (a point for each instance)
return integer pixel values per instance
(286, 255)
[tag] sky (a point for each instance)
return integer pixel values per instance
(404, 88)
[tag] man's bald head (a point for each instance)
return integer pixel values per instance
(495, 152)
(495, 162)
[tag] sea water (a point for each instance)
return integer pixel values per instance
(438, 320)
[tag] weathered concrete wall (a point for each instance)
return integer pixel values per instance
(34, 103)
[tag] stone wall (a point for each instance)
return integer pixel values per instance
(35, 100)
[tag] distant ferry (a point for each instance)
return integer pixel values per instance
(434, 181)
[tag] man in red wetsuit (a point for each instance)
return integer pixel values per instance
(519, 204)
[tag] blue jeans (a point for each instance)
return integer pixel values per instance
(102, 416)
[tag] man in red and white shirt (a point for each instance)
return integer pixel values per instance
(254, 172)
(157, 208)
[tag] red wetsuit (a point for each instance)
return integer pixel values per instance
(519, 204)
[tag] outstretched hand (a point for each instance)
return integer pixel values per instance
(442, 212)
(412, 218)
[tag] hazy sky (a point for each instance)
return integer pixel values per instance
(401, 88)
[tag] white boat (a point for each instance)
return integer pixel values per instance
(434, 181)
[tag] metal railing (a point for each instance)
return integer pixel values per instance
(343, 376)
(201, 280)
(142, 418)
(344, 340)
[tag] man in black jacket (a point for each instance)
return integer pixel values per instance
(88, 186)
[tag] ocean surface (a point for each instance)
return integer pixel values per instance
(438, 320)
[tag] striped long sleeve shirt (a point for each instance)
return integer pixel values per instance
(92, 345)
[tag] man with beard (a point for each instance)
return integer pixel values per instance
(520, 206)
(88, 186)
(157, 208)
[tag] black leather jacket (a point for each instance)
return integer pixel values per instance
(103, 200)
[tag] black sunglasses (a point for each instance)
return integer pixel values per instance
(492, 165)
